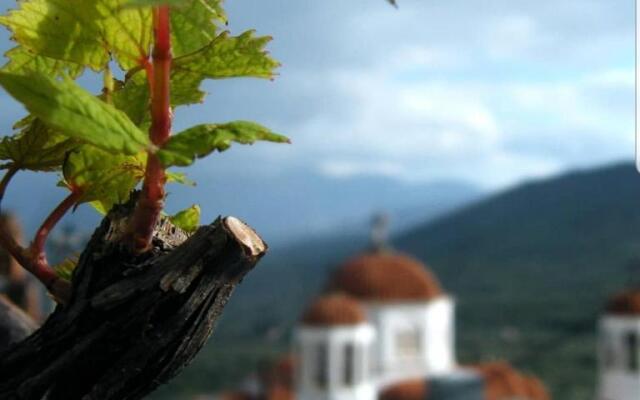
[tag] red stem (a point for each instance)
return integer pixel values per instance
(40, 239)
(160, 101)
(151, 202)
(35, 262)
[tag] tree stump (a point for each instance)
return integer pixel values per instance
(133, 322)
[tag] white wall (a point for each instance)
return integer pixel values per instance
(336, 338)
(617, 381)
(434, 321)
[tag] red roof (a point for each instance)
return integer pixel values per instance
(334, 309)
(503, 382)
(239, 395)
(409, 390)
(279, 392)
(280, 372)
(386, 276)
(625, 303)
(277, 379)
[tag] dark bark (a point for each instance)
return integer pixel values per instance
(133, 322)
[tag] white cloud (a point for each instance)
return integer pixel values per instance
(416, 57)
(615, 77)
(489, 92)
(490, 133)
(350, 168)
(513, 36)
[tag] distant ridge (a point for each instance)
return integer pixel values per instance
(532, 266)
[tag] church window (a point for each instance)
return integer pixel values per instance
(362, 364)
(349, 364)
(322, 365)
(633, 362)
(408, 342)
(608, 350)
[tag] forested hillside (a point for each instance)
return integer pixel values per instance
(529, 267)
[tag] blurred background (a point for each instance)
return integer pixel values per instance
(498, 136)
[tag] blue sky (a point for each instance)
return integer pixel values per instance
(489, 93)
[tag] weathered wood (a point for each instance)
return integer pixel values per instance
(133, 322)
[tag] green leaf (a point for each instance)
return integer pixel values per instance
(224, 57)
(185, 89)
(23, 61)
(65, 269)
(133, 98)
(188, 220)
(82, 31)
(149, 3)
(103, 178)
(201, 140)
(194, 24)
(178, 177)
(228, 56)
(36, 147)
(75, 112)
(100, 207)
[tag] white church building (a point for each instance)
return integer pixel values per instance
(384, 321)
(619, 348)
(384, 329)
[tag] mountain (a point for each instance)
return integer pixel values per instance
(310, 221)
(532, 267)
(300, 267)
(303, 203)
(257, 321)
(282, 208)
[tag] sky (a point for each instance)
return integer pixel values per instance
(489, 93)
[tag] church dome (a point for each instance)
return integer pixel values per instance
(281, 372)
(624, 303)
(409, 390)
(239, 395)
(334, 309)
(386, 276)
(279, 392)
(502, 381)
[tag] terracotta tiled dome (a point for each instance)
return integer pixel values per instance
(625, 303)
(503, 382)
(334, 309)
(236, 396)
(277, 379)
(281, 372)
(386, 276)
(410, 390)
(279, 392)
